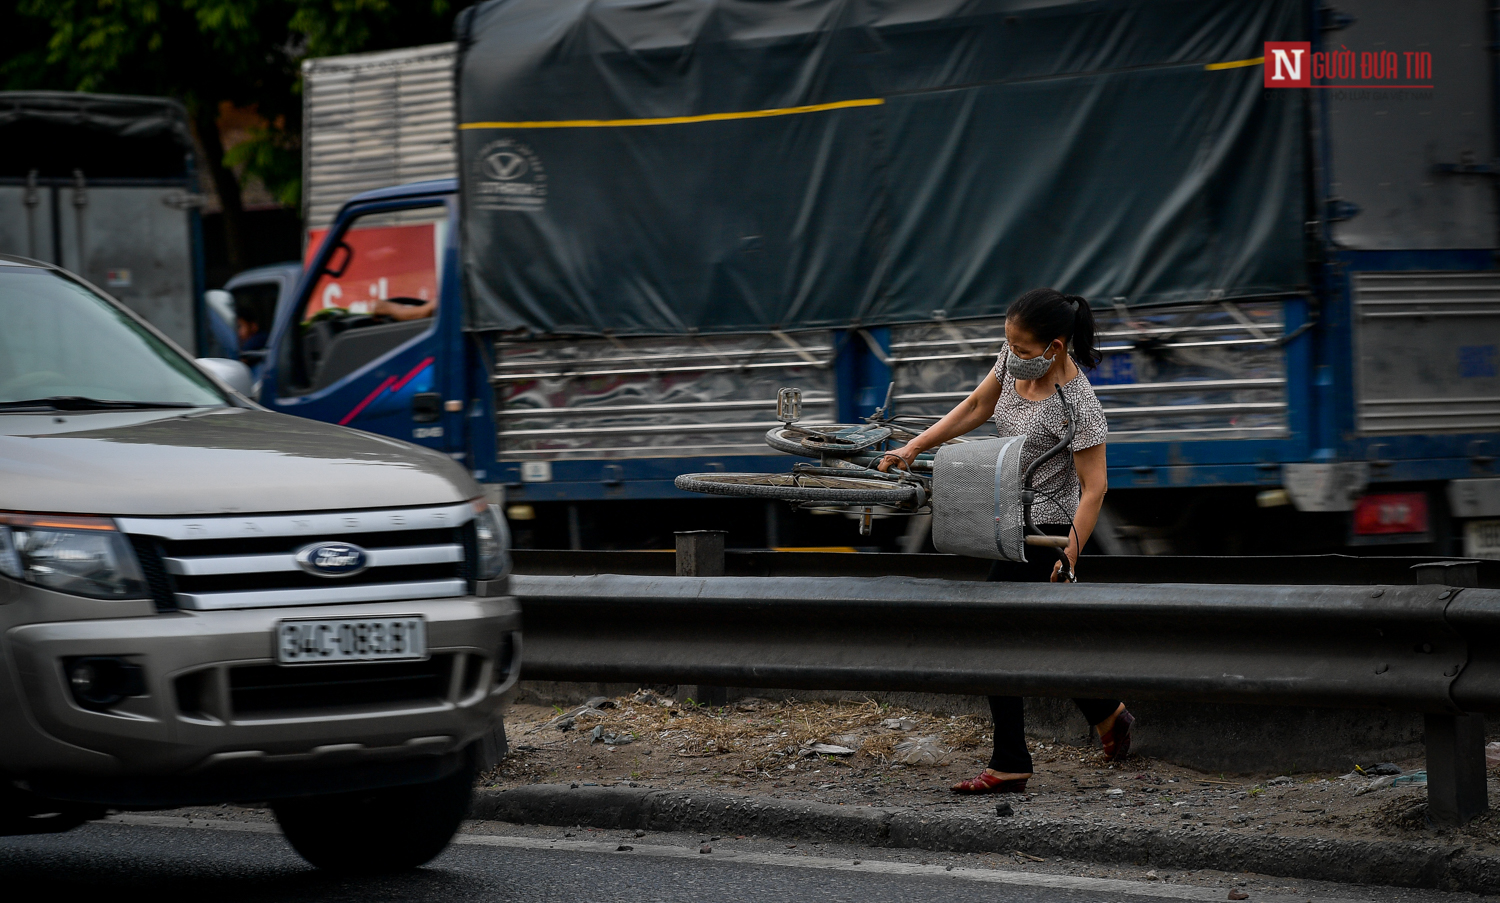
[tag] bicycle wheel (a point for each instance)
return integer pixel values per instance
(839, 439)
(792, 441)
(792, 487)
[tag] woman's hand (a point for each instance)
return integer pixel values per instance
(903, 455)
(1072, 552)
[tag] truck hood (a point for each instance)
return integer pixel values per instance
(212, 461)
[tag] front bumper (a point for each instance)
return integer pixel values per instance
(188, 731)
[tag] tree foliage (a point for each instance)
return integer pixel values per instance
(207, 53)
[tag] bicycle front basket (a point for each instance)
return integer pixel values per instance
(976, 499)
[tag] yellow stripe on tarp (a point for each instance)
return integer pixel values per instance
(674, 120)
(1236, 64)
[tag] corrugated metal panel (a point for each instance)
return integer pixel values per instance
(374, 120)
(1428, 347)
(1206, 371)
(567, 399)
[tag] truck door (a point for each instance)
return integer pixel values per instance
(1413, 165)
(1414, 161)
(361, 345)
(135, 241)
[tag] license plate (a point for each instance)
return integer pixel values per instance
(351, 640)
(1482, 539)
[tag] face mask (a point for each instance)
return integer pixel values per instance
(1027, 367)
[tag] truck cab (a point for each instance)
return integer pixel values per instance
(338, 354)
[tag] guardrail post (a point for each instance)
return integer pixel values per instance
(700, 553)
(1455, 769)
(1456, 789)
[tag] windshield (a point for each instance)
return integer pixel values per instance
(58, 339)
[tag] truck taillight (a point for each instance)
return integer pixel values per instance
(1392, 512)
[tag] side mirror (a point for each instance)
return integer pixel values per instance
(221, 303)
(233, 374)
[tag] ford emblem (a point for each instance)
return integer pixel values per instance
(333, 559)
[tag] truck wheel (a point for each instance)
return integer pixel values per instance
(374, 831)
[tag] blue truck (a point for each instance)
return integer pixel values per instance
(1283, 213)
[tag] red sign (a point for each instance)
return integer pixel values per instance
(1393, 512)
(384, 262)
(1288, 64)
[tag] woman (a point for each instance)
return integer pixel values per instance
(1047, 335)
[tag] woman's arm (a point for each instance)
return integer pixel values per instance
(963, 419)
(1093, 481)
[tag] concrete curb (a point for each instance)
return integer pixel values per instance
(1443, 866)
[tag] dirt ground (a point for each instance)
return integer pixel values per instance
(902, 757)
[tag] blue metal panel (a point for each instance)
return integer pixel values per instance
(846, 373)
(1299, 374)
(479, 412)
(627, 477)
(861, 376)
(874, 374)
(452, 362)
(1390, 261)
(1266, 474)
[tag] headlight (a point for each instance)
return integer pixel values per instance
(493, 547)
(84, 556)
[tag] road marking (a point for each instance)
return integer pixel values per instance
(876, 867)
(865, 866)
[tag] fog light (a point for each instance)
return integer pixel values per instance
(83, 679)
(98, 682)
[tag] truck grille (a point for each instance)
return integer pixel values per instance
(266, 689)
(250, 562)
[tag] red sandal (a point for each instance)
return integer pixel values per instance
(1117, 741)
(988, 783)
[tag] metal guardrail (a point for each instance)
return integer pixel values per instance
(1320, 570)
(1384, 647)
(1429, 647)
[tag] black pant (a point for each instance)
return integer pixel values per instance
(1011, 755)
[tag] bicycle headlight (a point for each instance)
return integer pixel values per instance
(83, 556)
(493, 546)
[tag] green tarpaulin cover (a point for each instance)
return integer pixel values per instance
(668, 166)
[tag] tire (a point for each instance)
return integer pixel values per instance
(789, 440)
(378, 831)
(801, 488)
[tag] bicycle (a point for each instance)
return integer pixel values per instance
(846, 475)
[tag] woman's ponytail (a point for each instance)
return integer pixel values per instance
(1084, 351)
(1049, 314)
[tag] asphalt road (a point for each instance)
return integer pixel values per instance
(234, 861)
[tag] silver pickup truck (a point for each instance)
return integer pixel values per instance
(202, 601)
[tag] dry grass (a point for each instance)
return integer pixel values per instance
(766, 734)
